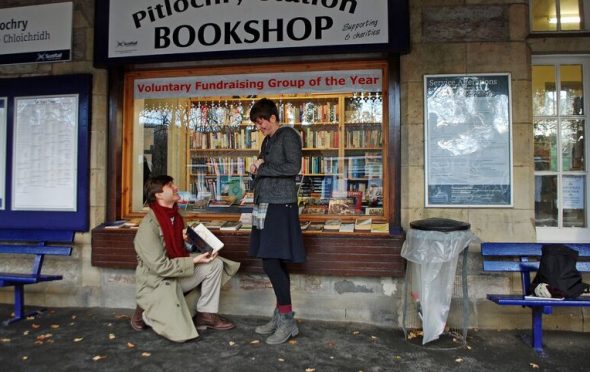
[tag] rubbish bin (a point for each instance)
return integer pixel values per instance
(432, 248)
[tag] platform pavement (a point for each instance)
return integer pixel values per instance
(93, 339)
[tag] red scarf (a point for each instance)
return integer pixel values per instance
(173, 238)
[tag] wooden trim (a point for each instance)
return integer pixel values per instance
(327, 253)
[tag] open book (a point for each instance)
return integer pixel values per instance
(203, 240)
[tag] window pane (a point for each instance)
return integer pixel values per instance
(545, 145)
(570, 96)
(544, 100)
(546, 200)
(574, 199)
(544, 15)
(570, 15)
(572, 145)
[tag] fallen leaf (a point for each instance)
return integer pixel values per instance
(55, 326)
(533, 365)
(78, 339)
(30, 317)
(4, 340)
(73, 317)
(331, 357)
(25, 357)
(355, 333)
(468, 347)
(145, 354)
(292, 342)
(112, 336)
(310, 370)
(26, 333)
(232, 343)
(459, 360)
(50, 341)
(121, 317)
(397, 357)
(373, 337)
(281, 360)
(44, 337)
(109, 324)
(71, 323)
(98, 357)
(34, 325)
(38, 342)
(130, 345)
(255, 342)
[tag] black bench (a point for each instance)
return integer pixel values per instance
(19, 280)
(524, 258)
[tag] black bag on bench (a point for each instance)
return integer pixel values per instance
(557, 269)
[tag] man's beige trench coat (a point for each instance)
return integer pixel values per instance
(157, 288)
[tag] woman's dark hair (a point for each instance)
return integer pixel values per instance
(155, 185)
(263, 108)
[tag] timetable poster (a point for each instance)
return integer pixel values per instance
(45, 148)
(2, 153)
(468, 150)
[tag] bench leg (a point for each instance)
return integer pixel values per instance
(19, 304)
(538, 329)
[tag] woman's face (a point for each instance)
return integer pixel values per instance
(267, 127)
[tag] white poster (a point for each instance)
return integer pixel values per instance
(573, 192)
(38, 33)
(144, 28)
(2, 153)
(45, 149)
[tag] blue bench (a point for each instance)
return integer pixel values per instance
(524, 258)
(19, 280)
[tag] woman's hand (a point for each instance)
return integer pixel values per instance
(184, 235)
(204, 257)
(255, 165)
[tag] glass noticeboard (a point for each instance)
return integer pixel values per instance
(45, 153)
(468, 146)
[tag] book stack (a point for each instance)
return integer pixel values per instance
(380, 227)
(346, 227)
(231, 226)
(332, 225)
(363, 224)
(214, 224)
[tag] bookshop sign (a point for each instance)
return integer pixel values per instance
(468, 146)
(34, 34)
(138, 31)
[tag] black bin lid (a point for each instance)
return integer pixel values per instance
(439, 224)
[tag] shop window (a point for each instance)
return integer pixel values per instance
(194, 125)
(559, 15)
(559, 92)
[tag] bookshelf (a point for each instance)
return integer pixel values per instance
(342, 140)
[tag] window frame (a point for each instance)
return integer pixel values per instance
(569, 234)
(585, 18)
(390, 201)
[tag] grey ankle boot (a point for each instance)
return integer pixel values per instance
(271, 326)
(287, 328)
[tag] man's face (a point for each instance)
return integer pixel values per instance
(169, 195)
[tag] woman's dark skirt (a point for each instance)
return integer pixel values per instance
(281, 237)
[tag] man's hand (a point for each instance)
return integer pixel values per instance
(204, 257)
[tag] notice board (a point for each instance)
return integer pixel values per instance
(44, 154)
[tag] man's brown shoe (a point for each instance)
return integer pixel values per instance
(211, 320)
(137, 322)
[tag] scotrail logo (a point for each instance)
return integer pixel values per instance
(41, 57)
(126, 44)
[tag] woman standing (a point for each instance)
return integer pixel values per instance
(276, 231)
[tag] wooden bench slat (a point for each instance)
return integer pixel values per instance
(33, 249)
(516, 266)
(526, 249)
(521, 301)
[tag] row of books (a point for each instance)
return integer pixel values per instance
(241, 138)
(359, 225)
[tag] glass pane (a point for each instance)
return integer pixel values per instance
(544, 99)
(572, 145)
(571, 94)
(570, 15)
(544, 15)
(546, 200)
(545, 145)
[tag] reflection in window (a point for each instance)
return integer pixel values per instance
(556, 15)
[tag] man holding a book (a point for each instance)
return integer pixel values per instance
(176, 292)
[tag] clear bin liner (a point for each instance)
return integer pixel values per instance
(433, 259)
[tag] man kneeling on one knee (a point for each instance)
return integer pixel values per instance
(167, 275)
